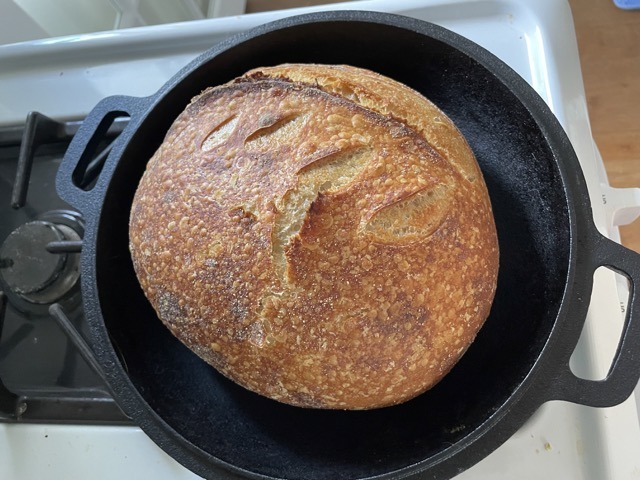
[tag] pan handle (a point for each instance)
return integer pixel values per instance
(623, 375)
(86, 164)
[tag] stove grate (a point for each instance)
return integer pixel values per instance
(47, 371)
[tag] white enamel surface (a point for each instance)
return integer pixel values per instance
(66, 77)
(623, 205)
(31, 452)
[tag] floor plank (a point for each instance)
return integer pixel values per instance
(609, 44)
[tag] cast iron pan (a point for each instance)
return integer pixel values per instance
(549, 250)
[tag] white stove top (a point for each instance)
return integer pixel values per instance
(65, 77)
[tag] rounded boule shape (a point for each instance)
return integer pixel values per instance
(322, 235)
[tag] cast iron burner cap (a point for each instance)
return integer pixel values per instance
(30, 271)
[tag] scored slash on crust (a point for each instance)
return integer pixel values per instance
(331, 170)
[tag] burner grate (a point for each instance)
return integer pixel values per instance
(47, 372)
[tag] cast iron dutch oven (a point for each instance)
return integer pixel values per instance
(549, 249)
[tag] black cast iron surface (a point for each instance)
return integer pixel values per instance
(549, 250)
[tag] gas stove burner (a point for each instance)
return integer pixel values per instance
(39, 263)
(43, 376)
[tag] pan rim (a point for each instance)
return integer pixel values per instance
(131, 399)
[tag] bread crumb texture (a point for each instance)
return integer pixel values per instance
(321, 235)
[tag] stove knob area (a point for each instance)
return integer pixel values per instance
(31, 272)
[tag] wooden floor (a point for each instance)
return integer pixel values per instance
(609, 43)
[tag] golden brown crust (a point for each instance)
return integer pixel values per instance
(321, 250)
(387, 97)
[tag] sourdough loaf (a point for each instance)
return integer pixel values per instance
(321, 235)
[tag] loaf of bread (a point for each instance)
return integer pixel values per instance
(321, 235)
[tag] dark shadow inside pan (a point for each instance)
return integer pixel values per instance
(268, 438)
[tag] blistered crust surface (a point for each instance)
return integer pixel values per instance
(312, 248)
